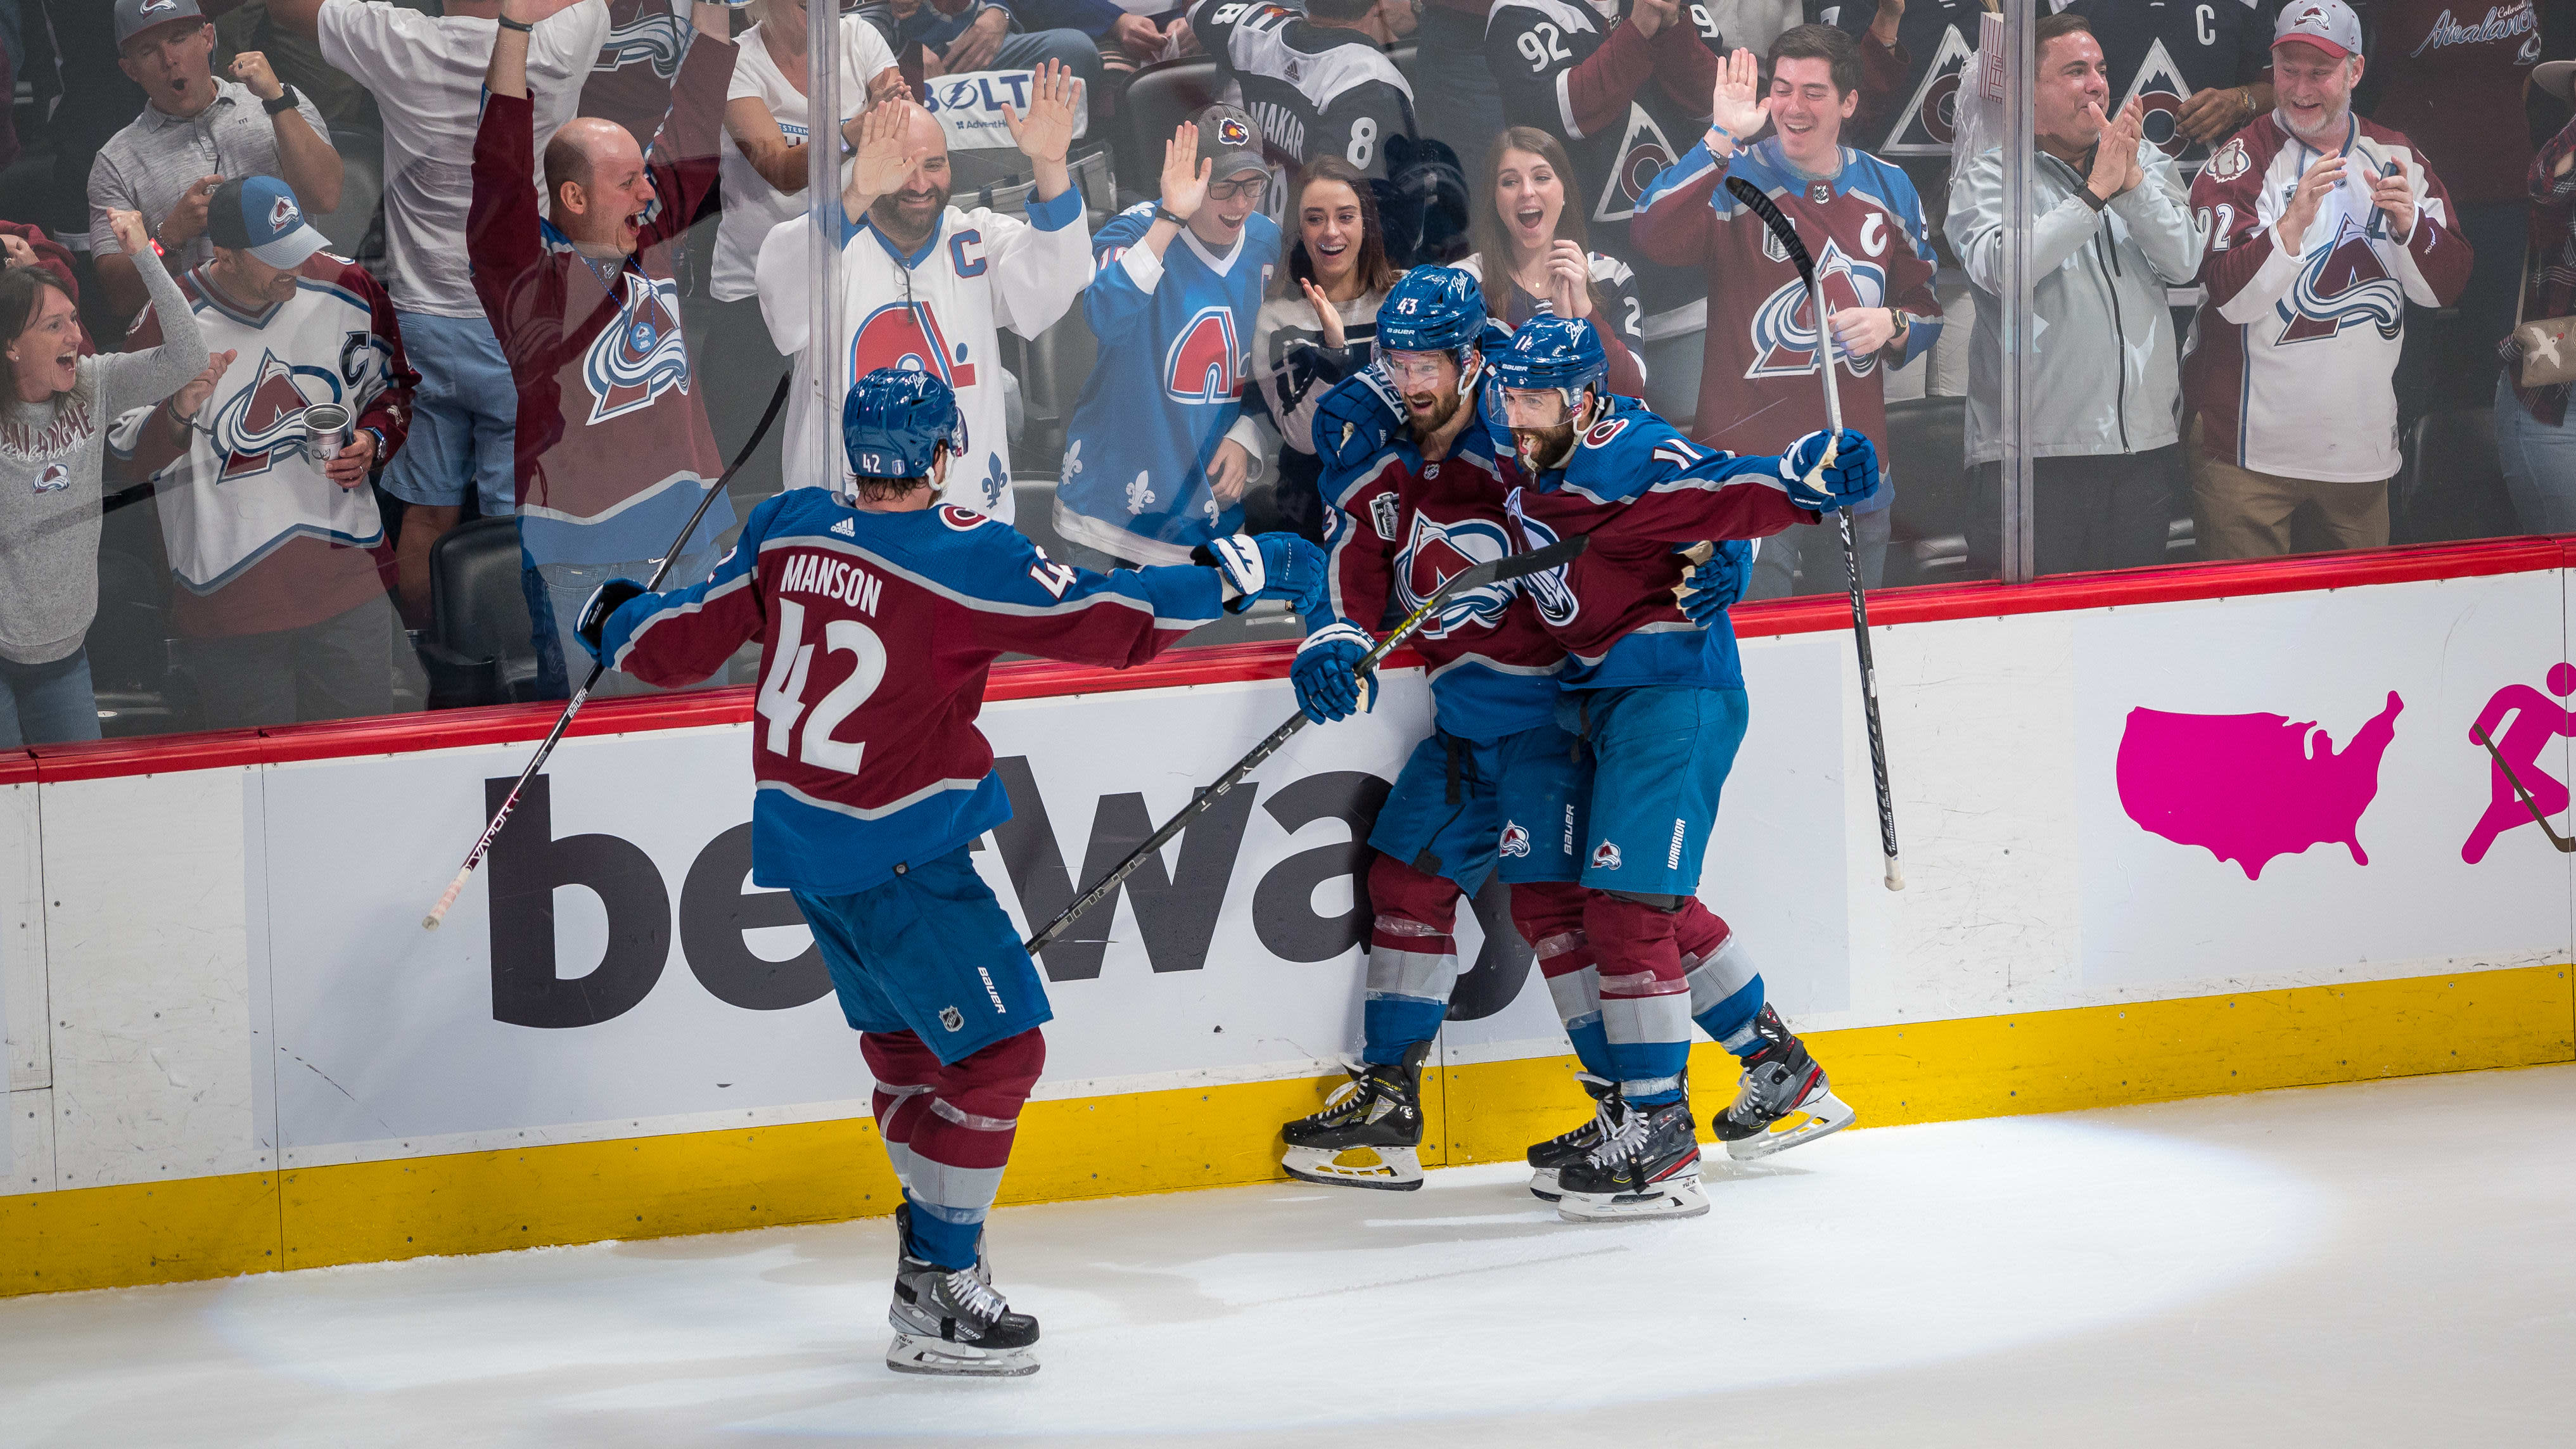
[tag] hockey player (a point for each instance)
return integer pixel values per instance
(1160, 449)
(927, 284)
(874, 783)
(1862, 224)
(1659, 703)
(1315, 84)
(1621, 83)
(612, 451)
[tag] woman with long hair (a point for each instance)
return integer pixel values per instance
(1531, 255)
(1318, 325)
(55, 409)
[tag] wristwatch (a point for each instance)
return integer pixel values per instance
(286, 101)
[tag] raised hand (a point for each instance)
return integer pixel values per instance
(1650, 16)
(1737, 104)
(1047, 132)
(127, 228)
(1185, 176)
(1328, 318)
(252, 69)
(886, 154)
(2394, 194)
(2301, 213)
(1569, 277)
(191, 397)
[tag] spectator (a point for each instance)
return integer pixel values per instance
(1531, 254)
(927, 284)
(2198, 74)
(979, 36)
(764, 151)
(1318, 83)
(1860, 218)
(296, 56)
(24, 244)
(2111, 232)
(1126, 38)
(1159, 451)
(612, 450)
(278, 550)
(2452, 78)
(1614, 89)
(2533, 438)
(427, 76)
(2330, 225)
(195, 132)
(1318, 326)
(53, 444)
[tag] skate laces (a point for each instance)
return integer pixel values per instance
(974, 1296)
(1620, 1135)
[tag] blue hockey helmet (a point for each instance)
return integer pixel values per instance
(894, 422)
(1559, 352)
(1431, 309)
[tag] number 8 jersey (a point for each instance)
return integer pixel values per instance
(876, 631)
(1315, 90)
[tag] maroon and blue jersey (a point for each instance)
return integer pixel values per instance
(1640, 490)
(876, 632)
(1399, 528)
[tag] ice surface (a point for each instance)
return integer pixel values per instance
(2336, 1266)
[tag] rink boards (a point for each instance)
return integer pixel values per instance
(232, 1048)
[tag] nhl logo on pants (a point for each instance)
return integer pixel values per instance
(1605, 856)
(951, 1018)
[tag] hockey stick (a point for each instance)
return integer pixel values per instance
(581, 696)
(2565, 845)
(1510, 567)
(1761, 206)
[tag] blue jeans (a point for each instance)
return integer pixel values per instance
(465, 417)
(47, 704)
(2539, 464)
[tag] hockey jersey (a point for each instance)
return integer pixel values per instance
(1175, 353)
(1863, 229)
(1934, 40)
(1397, 530)
(1640, 489)
(876, 633)
(258, 539)
(2162, 52)
(940, 308)
(1315, 90)
(2452, 75)
(1624, 104)
(630, 82)
(2296, 346)
(613, 451)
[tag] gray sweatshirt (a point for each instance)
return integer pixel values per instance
(51, 455)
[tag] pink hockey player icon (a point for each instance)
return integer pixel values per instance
(2537, 720)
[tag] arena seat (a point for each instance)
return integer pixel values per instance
(478, 648)
(1927, 455)
(2451, 485)
(1161, 97)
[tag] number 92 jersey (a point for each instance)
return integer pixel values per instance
(1314, 90)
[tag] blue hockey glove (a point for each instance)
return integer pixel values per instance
(1327, 672)
(1265, 566)
(1850, 478)
(1356, 418)
(1713, 585)
(603, 602)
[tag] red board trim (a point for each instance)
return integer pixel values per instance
(1239, 663)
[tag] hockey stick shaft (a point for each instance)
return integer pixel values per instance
(1533, 562)
(2565, 845)
(581, 696)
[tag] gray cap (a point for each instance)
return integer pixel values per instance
(1228, 137)
(2329, 25)
(133, 17)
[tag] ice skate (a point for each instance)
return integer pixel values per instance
(1367, 1134)
(950, 1321)
(1548, 1159)
(1781, 1083)
(903, 1237)
(1646, 1165)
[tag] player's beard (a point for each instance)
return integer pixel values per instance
(1544, 450)
(1443, 408)
(887, 212)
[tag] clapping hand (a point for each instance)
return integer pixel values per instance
(1569, 278)
(1650, 16)
(1328, 318)
(2393, 192)
(2301, 213)
(1185, 176)
(2115, 149)
(1737, 105)
(191, 397)
(1046, 134)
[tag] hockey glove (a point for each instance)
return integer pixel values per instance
(1265, 566)
(1716, 582)
(603, 602)
(1850, 478)
(1355, 419)
(1326, 673)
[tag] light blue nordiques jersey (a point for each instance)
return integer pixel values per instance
(1175, 358)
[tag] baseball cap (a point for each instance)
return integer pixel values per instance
(2557, 77)
(2329, 25)
(1228, 138)
(258, 215)
(133, 17)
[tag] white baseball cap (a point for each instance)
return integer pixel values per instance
(2329, 25)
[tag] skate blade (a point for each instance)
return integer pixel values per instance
(1678, 1197)
(1819, 1116)
(1543, 1186)
(1388, 1169)
(916, 1354)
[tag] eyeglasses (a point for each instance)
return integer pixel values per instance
(1229, 190)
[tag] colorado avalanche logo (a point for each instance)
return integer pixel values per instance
(1516, 842)
(1605, 856)
(2159, 92)
(1643, 155)
(961, 519)
(653, 39)
(1233, 134)
(1556, 601)
(1434, 554)
(908, 336)
(2345, 286)
(1204, 364)
(55, 478)
(265, 420)
(1784, 326)
(1931, 119)
(640, 356)
(283, 215)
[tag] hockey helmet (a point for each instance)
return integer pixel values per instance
(894, 422)
(1431, 309)
(1549, 351)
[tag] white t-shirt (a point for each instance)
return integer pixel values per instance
(752, 205)
(427, 76)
